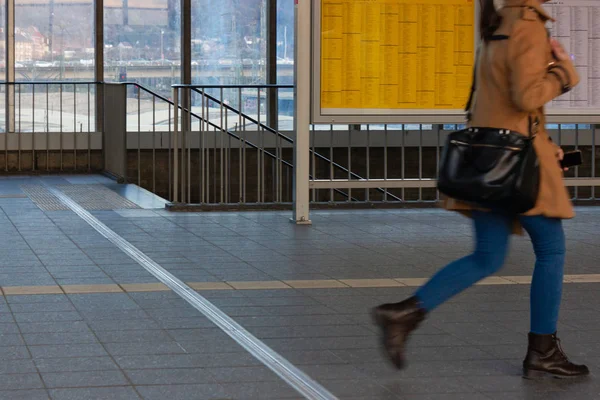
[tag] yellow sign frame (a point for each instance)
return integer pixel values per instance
(405, 114)
(371, 88)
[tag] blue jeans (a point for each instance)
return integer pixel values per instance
(492, 231)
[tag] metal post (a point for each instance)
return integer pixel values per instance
(9, 25)
(99, 65)
(175, 145)
(186, 79)
(302, 112)
(114, 142)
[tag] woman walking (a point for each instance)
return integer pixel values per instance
(519, 70)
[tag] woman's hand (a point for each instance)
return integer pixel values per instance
(560, 154)
(559, 51)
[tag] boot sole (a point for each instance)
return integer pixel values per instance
(531, 374)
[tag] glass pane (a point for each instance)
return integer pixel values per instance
(285, 62)
(54, 41)
(142, 45)
(285, 41)
(229, 42)
(2, 67)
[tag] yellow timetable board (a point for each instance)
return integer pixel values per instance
(396, 54)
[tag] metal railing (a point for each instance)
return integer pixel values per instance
(213, 110)
(229, 145)
(349, 164)
(405, 160)
(225, 137)
(49, 125)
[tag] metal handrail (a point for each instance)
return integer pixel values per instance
(255, 86)
(52, 83)
(198, 89)
(252, 120)
(211, 124)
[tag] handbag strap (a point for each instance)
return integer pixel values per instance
(473, 86)
(533, 125)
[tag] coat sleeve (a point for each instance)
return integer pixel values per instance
(534, 82)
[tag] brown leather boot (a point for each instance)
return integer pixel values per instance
(397, 321)
(545, 357)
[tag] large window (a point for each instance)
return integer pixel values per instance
(285, 62)
(285, 41)
(2, 67)
(229, 41)
(142, 43)
(54, 41)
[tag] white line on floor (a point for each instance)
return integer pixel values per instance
(297, 379)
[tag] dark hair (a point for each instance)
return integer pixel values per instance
(489, 19)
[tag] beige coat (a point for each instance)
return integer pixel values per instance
(515, 79)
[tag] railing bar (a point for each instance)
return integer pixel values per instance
(201, 159)
(139, 139)
(74, 127)
(89, 108)
(577, 167)
(420, 159)
(224, 156)
(208, 153)
(560, 135)
(245, 158)
(350, 160)
(260, 86)
(437, 157)
(313, 166)
(89, 135)
(48, 127)
(593, 126)
(188, 146)
(385, 161)
(33, 110)
(263, 149)
(331, 169)
(215, 152)
(258, 152)
(403, 167)
(60, 112)
(221, 145)
(33, 162)
(184, 128)
(169, 169)
(74, 108)
(153, 144)
(241, 196)
(6, 90)
(20, 130)
(280, 166)
(176, 145)
(367, 191)
(227, 160)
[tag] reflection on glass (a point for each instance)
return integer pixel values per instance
(142, 45)
(285, 62)
(54, 41)
(229, 41)
(2, 66)
(141, 39)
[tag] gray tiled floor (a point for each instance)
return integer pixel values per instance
(155, 346)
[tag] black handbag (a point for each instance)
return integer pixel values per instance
(490, 167)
